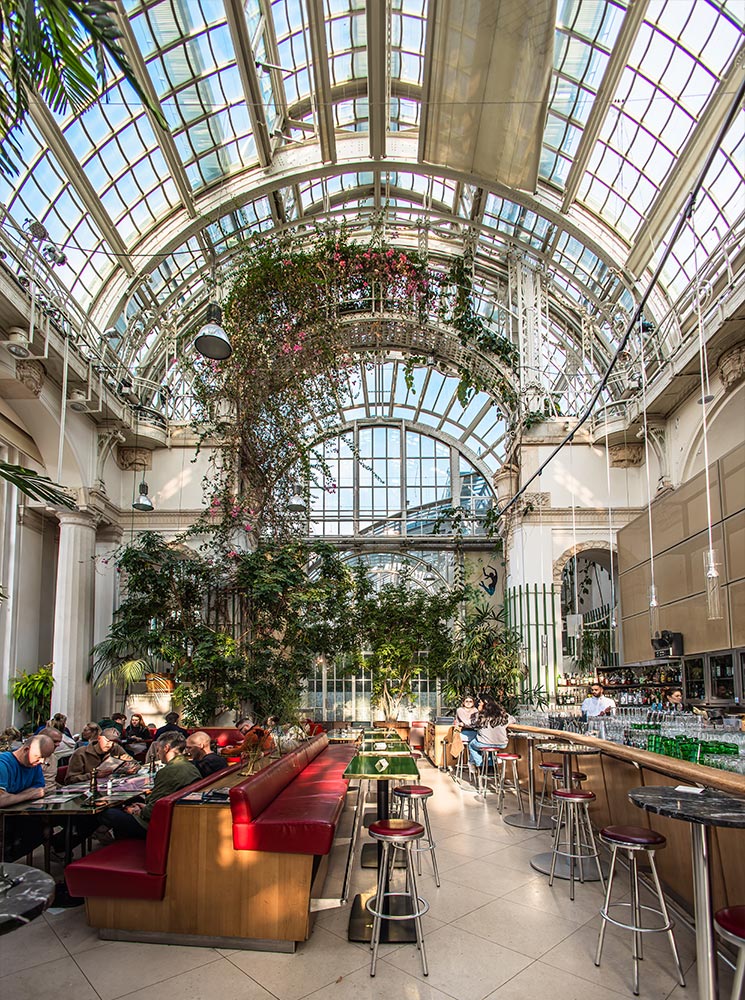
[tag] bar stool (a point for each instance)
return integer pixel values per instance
(400, 834)
(634, 839)
(574, 813)
(547, 767)
(557, 776)
(730, 923)
(503, 759)
(415, 796)
(488, 759)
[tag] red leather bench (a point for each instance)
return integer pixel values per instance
(293, 805)
(132, 869)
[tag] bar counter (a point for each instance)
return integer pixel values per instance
(616, 770)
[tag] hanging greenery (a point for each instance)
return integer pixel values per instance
(278, 394)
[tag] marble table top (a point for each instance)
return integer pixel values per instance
(20, 903)
(709, 807)
(571, 748)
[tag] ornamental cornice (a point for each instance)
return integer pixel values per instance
(32, 374)
(731, 367)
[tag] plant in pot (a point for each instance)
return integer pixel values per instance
(486, 657)
(33, 694)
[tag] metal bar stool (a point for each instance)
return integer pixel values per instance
(414, 796)
(580, 840)
(400, 834)
(488, 759)
(547, 767)
(731, 926)
(634, 839)
(502, 760)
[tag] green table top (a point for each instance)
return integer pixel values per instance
(391, 747)
(363, 766)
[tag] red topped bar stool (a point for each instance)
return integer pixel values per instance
(730, 923)
(401, 834)
(579, 841)
(632, 840)
(415, 796)
(503, 759)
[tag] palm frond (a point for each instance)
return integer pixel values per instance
(35, 486)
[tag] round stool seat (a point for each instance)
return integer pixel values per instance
(491, 747)
(421, 790)
(396, 829)
(732, 920)
(635, 835)
(509, 756)
(574, 795)
(550, 765)
(576, 775)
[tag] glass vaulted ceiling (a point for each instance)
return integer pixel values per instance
(269, 108)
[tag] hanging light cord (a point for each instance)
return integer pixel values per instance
(639, 311)
(645, 431)
(704, 374)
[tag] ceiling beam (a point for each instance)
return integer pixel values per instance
(62, 151)
(246, 63)
(671, 197)
(377, 18)
(162, 136)
(632, 22)
(321, 80)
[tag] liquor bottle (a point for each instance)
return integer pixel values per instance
(93, 787)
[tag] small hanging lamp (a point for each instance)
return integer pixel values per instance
(212, 341)
(143, 503)
(297, 503)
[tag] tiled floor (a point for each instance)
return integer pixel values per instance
(495, 929)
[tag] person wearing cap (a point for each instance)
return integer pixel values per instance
(103, 752)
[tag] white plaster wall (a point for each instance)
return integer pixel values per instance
(579, 471)
(174, 482)
(726, 429)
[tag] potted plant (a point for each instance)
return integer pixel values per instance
(486, 656)
(33, 694)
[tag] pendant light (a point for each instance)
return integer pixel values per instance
(654, 604)
(212, 341)
(143, 504)
(296, 504)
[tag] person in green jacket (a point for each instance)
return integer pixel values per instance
(132, 821)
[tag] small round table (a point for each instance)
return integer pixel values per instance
(542, 862)
(702, 810)
(529, 822)
(25, 892)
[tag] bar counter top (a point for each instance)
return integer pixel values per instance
(616, 770)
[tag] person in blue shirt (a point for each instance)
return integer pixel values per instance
(22, 780)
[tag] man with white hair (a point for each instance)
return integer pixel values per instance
(22, 780)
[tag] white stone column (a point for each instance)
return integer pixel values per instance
(106, 600)
(73, 616)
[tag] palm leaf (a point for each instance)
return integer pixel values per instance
(35, 486)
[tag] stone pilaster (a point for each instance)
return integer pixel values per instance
(73, 615)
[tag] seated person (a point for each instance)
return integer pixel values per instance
(49, 765)
(10, 739)
(137, 730)
(66, 743)
(103, 752)
(673, 700)
(117, 721)
(132, 820)
(199, 750)
(462, 730)
(171, 726)
(254, 736)
(89, 732)
(22, 780)
(491, 730)
(288, 737)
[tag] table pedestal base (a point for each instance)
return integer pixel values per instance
(391, 931)
(524, 822)
(369, 857)
(542, 863)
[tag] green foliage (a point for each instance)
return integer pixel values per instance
(486, 657)
(55, 48)
(33, 693)
(33, 485)
(407, 633)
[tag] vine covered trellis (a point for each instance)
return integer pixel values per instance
(265, 408)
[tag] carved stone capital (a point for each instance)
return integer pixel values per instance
(32, 374)
(731, 367)
(505, 482)
(626, 456)
(134, 458)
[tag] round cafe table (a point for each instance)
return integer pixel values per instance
(701, 810)
(542, 862)
(24, 894)
(521, 820)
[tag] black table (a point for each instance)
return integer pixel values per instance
(24, 894)
(542, 862)
(529, 822)
(702, 810)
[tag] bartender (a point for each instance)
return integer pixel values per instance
(597, 703)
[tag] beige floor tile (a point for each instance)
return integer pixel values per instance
(388, 981)
(216, 981)
(538, 894)
(469, 846)
(576, 955)
(520, 928)
(452, 899)
(120, 967)
(71, 927)
(60, 978)
(518, 856)
(318, 962)
(541, 982)
(460, 964)
(28, 946)
(493, 879)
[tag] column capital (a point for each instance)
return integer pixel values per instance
(82, 518)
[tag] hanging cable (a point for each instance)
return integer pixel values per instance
(612, 623)
(654, 604)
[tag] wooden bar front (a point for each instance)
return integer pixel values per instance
(616, 769)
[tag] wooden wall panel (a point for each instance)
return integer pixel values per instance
(737, 612)
(682, 513)
(679, 572)
(634, 590)
(621, 776)
(673, 861)
(734, 546)
(732, 477)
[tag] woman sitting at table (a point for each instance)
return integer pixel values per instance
(137, 730)
(491, 731)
